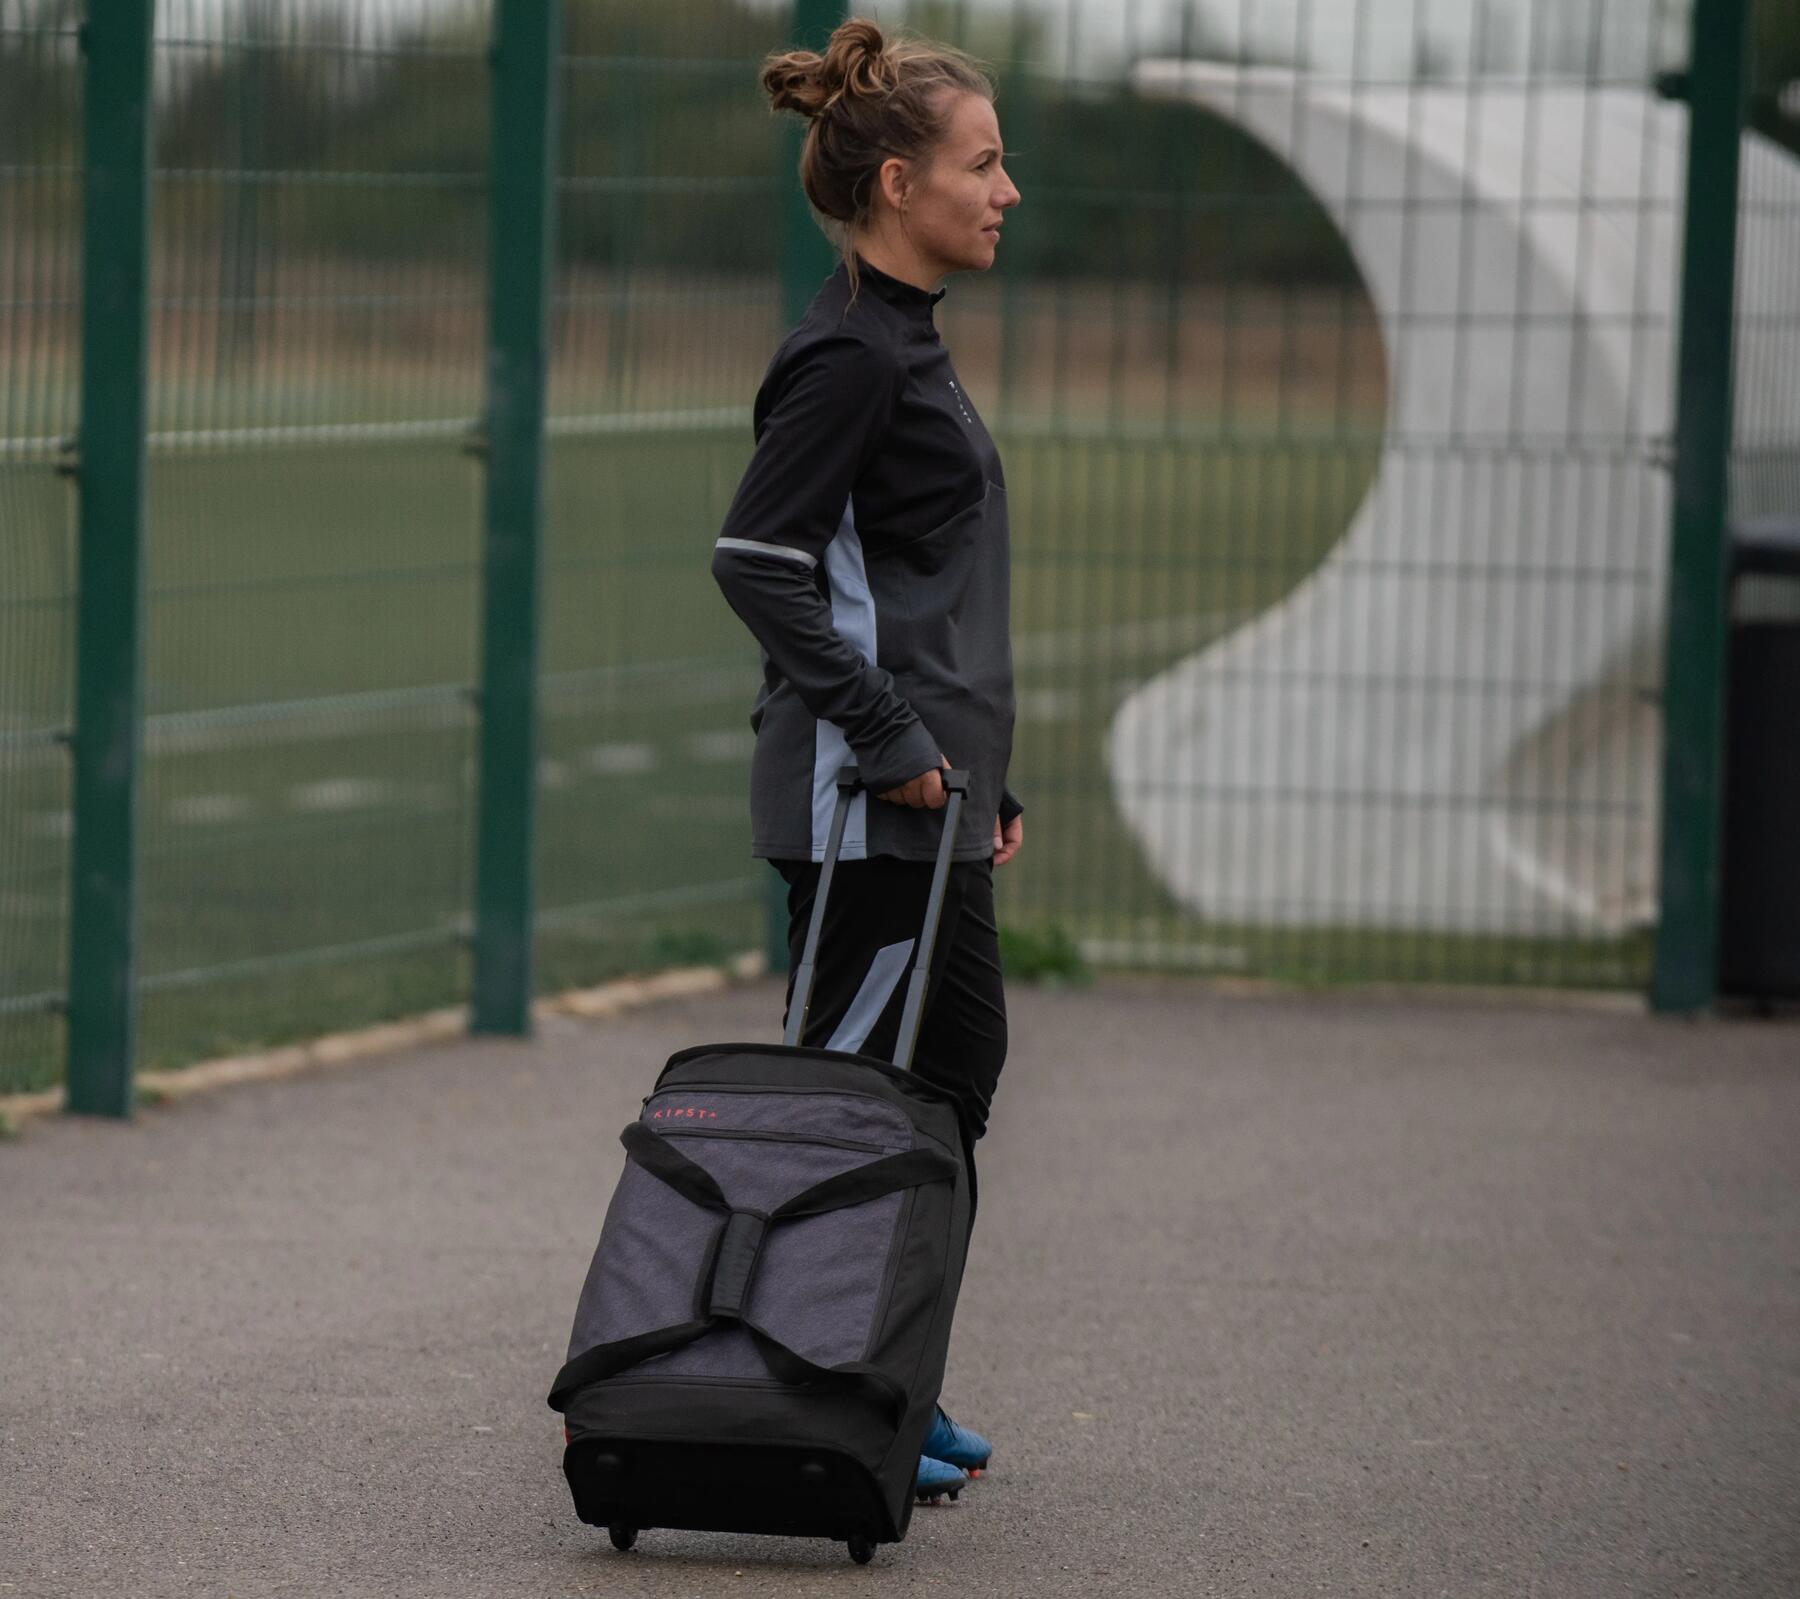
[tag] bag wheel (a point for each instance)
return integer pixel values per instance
(861, 1550)
(623, 1537)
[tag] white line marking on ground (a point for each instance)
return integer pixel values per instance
(1049, 705)
(620, 760)
(341, 794)
(17, 903)
(722, 744)
(206, 810)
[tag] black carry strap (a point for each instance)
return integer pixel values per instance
(849, 780)
(724, 1286)
(662, 1159)
(608, 1360)
(861, 1183)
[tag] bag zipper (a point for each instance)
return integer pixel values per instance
(772, 1137)
(760, 1088)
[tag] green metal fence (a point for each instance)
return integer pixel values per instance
(317, 273)
(668, 302)
(1331, 355)
(40, 235)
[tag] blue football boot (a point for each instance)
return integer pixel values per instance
(936, 1478)
(957, 1446)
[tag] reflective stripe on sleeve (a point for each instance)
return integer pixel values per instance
(756, 547)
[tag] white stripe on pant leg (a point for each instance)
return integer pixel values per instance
(885, 972)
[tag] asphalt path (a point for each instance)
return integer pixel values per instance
(1268, 1295)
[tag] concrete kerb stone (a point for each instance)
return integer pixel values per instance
(600, 1003)
(608, 1000)
(1612, 1001)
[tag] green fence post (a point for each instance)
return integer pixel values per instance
(108, 740)
(522, 217)
(806, 258)
(1686, 965)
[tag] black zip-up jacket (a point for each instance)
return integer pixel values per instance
(866, 548)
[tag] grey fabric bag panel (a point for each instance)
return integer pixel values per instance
(819, 1280)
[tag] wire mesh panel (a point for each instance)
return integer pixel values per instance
(317, 289)
(40, 221)
(1330, 357)
(667, 309)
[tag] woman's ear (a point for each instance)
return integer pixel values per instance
(892, 177)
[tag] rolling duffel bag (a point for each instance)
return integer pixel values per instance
(762, 1334)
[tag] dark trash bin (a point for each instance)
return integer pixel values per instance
(1759, 910)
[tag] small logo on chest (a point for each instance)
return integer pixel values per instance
(956, 394)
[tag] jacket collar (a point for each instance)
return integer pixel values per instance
(905, 297)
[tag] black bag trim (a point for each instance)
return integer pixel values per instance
(910, 1083)
(664, 1161)
(732, 1258)
(768, 1135)
(734, 1262)
(605, 1359)
(860, 1184)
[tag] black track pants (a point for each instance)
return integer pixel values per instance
(866, 948)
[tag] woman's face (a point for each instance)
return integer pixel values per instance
(955, 202)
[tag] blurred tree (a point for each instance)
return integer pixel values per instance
(38, 81)
(1775, 71)
(672, 154)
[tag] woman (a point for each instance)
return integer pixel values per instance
(866, 549)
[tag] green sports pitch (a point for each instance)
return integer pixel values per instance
(307, 794)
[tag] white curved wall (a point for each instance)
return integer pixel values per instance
(1444, 725)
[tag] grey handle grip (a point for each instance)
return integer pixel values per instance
(849, 780)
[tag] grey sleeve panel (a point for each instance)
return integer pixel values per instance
(780, 603)
(826, 408)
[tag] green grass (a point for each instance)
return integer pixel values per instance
(1047, 955)
(303, 874)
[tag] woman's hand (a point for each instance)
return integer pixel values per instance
(1008, 836)
(924, 792)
